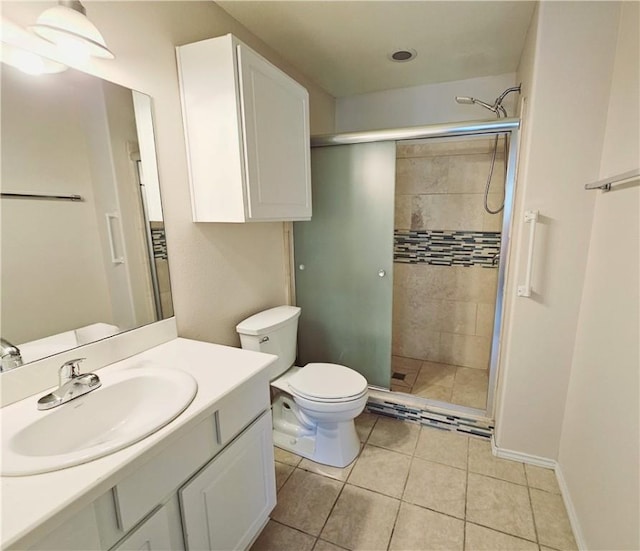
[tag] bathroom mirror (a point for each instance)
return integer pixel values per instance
(83, 244)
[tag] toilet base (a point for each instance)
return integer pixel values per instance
(334, 447)
(334, 443)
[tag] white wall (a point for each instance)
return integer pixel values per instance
(420, 105)
(599, 447)
(566, 81)
(220, 273)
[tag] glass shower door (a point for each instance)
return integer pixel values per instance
(344, 260)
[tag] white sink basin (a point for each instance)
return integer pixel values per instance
(130, 405)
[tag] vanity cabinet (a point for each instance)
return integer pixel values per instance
(213, 487)
(247, 132)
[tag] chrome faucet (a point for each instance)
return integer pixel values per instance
(9, 355)
(71, 384)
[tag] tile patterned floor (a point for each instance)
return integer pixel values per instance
(415, 488)
(448, 383)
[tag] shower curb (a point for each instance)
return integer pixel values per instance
(389, 404)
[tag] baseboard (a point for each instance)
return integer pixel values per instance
(571, 510)
(562, 484)
(523, 457)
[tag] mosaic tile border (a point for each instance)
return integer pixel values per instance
(159, 240)
(446, 248)
(429, 418)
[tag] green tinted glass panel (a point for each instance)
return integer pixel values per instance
(344, 260)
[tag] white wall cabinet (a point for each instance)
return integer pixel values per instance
(247, 133)
(227, 503)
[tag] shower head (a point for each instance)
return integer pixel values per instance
(496, 108)
(469, 100)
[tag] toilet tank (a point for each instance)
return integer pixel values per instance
(273, 331)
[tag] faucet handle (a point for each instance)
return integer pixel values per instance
(70, 369)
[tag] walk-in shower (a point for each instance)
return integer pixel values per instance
(354, 251)
(499, 111)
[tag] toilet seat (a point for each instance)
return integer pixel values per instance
(328, 383)
(327, 400)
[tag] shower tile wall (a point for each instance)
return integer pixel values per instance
(162, 267)
(444, 313)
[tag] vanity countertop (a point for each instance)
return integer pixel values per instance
(34, 505)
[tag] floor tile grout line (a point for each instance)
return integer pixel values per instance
(402, 500)
(476, 523)
(498, 478)
(389, 449)
(393, 528)
(533, 514)
(439, 463)
(287, 477)
(331, 511)
(293, 528)
(330, 542)
(421, 506)
(404, 489)
(406, 480)
(502, 531)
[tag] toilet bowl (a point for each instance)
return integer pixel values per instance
(314, 406)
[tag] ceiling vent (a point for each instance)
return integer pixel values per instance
(402, 55)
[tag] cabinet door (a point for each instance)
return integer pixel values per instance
(154, 534)
(275, 112)
(160, 532)
(225, 505)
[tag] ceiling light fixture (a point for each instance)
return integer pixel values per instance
(68, 27)
(401, 55)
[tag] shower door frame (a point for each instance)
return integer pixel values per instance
(510, 126)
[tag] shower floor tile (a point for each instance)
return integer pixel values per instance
(454, 496)
(454, 384)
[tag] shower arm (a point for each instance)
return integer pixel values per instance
(504, 94)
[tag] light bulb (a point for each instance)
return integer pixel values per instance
(27, 62)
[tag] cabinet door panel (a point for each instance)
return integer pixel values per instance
(225, 505)
(275, 110)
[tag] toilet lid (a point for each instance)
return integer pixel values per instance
(322, 381)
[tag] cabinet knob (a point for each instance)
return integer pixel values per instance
(381, 273)
(301, 267)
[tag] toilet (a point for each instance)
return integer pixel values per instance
(315, 405)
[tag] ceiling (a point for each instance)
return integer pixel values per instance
(344, 45)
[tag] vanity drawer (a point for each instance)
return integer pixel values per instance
(138, 494)
(241, 407)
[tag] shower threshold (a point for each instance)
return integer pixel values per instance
(430, 413)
